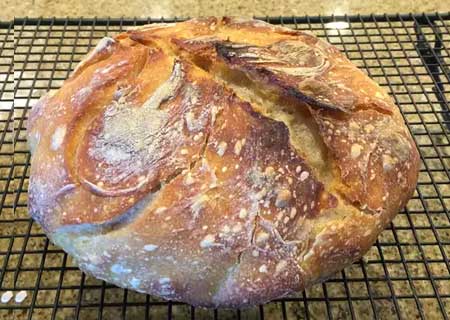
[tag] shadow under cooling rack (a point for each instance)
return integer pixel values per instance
(406, 274)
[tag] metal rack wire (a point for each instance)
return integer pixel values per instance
(405, 275)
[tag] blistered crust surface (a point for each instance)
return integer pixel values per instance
(159, 177)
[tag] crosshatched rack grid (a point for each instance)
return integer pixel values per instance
(405, 275)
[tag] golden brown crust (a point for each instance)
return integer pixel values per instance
(377, 157)
(156, 176)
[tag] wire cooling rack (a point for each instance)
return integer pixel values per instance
(405, 275)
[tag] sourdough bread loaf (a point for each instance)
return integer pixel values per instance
(217, 161)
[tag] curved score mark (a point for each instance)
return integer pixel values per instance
(116, 154)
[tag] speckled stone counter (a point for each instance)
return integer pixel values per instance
(185, 8)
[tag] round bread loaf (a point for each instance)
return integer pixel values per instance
(217, 161)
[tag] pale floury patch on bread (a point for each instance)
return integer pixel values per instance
(221, 162)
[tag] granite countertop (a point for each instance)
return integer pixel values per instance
(184, 8)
